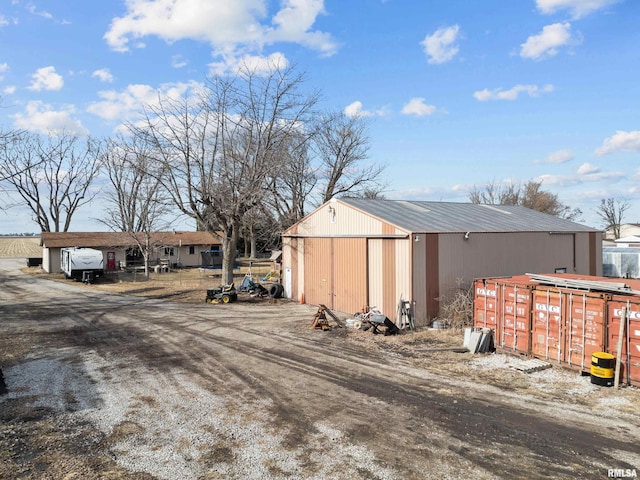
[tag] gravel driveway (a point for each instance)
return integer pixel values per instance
(112, 386)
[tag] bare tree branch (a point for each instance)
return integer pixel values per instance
(529, 195)
(52, 176)
(612, 211)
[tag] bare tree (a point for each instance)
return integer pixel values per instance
(7, 139)
(529, 195)
(137, 202)
(611, 211)
(53, 176)
(291, 184)
(342, 145)
(220, 147)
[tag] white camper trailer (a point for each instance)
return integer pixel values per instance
(82, 263)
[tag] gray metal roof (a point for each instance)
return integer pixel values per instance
(441, 217)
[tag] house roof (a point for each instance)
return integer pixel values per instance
(629, 239)
(124, 239)
(443, 217)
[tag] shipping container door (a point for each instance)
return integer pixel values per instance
(485, 304)
(585, 327)
(546, 325)
(515, 318)
(630, 351)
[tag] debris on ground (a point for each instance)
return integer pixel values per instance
(320, 320)
(478, 340)
(530, 365)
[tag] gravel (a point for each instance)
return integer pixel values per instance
(175, 429)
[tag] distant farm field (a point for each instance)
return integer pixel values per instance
(20, 247)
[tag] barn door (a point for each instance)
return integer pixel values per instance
(335, 273)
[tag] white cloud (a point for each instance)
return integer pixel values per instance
(126, 104)
(229, 27)
(547, 42)
(417, 106)
(559, 156)
(578, 8)
(46, 78)
(3, 21)
(621, 141)
(512, 93)
(4, 67)
(42, 118)
(294, 22)
(581, 178)
(253, 63)
(10, 90)
(355, 110)
(103, 74)
(441, 46)
(587, 169)
(41, 13)
(177, 61)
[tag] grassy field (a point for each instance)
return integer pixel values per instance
(20, 247)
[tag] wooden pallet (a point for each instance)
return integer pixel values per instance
(531, 365)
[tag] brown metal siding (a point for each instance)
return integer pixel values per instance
(349, 274)
(335, 273)
(388, 278)
(433, 275)
(485, 255)
(317, 271)
(295, 292)
(425, 277)
(419, 279)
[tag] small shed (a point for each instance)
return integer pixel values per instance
(353, 253)
(121, 248)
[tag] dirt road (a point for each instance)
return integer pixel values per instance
(111, 386)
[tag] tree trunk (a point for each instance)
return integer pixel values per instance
(229, 243)
(254, 243)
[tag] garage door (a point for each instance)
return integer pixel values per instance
(335, 273)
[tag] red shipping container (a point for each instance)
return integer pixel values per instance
(546, 324)
(568, 326)
(585, 327)
(504, 305)
(514, 316)
(630, 351)
(485, 303)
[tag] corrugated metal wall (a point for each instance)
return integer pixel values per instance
(335, 273)
(375, 273)
(511, 253)
(343, 272)
(349, 273)
(318, 283)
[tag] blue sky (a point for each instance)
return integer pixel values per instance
(458, 93)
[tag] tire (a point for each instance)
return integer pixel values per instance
(357, 324)
(275, 291)
(226, 299)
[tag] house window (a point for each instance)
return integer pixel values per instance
(168, 251)
(192, 250)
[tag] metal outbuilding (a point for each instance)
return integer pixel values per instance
(350, 253)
